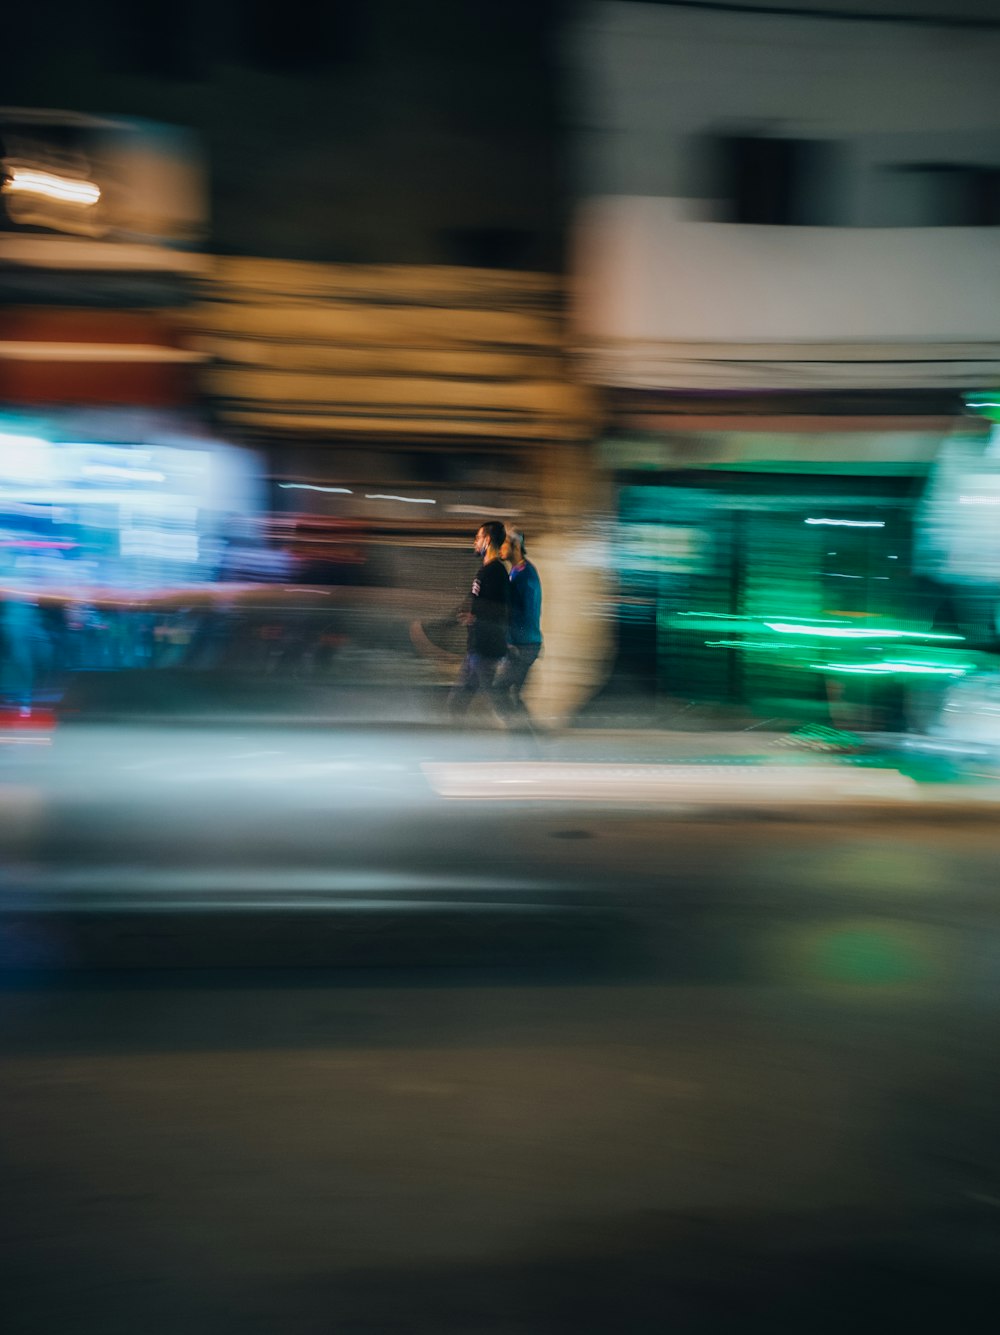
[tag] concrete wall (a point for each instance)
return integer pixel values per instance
(647, 272)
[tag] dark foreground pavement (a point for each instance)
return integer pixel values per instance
(267, 1154)
(618, 1053)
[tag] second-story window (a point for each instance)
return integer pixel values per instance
(954, 194)
(775, 180)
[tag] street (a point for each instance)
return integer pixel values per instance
(483, 1066)
(270, 1155)
(500, 668)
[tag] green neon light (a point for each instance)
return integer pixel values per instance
(883, 669)
(864, 956)
(775, 645)
(855, 633)
(730, 616)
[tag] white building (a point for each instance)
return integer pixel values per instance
(788, 201)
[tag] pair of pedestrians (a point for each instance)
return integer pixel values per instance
(503, 614)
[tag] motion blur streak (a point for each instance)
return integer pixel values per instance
(849, 523)
(95, 352)
(65, 189)
(500, 667)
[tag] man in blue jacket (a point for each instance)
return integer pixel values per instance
(524, 633)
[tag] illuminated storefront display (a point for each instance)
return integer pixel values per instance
(83, 516)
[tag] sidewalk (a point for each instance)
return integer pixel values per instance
(217, 845)
(719, 775)
(692, 760)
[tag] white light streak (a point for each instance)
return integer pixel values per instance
(309, 486)
(847, 633)
(407, 500)
(871, 669)
(849, 523)
(854, 633)
(65, 189)
(115, 471)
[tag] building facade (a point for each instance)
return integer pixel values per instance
(786, 279)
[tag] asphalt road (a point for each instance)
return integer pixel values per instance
(549, 1067)
(256, 1155)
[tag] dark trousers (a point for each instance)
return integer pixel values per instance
(509, 681)
(476, 674)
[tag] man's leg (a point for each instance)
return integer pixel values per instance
(486, 671)
(503, 685)
(460, 696)
(476, 674)
(510, 678)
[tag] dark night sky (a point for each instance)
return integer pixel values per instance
(363, 131)
(354, 130)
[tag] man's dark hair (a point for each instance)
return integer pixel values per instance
(495, 531)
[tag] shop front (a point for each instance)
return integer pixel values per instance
(786, 588)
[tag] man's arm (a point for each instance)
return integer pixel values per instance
(464, 610)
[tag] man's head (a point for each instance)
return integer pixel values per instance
(489, 539)
(513, 546)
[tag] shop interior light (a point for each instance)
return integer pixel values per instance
(64, 189)
(24, 459)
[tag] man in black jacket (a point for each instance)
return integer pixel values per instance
(486, 617)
